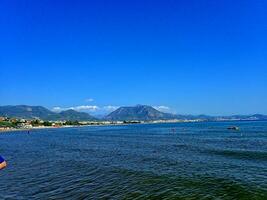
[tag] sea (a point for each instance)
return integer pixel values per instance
(142, 161)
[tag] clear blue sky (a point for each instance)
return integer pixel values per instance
(191, 56)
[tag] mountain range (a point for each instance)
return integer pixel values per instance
(139, 112)
(39, 112)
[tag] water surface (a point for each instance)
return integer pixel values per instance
(158, 161)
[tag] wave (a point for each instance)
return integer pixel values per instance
(240, 154)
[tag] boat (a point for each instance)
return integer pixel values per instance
(236, 128)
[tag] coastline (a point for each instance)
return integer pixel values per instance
(61, 127)
(2, 131)
(39, 128)
(91, 125)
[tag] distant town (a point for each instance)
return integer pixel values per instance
(10, 124)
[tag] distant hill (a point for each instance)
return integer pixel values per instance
(139, 112)
(256, 117)
(259, 117)
(39, 112)
(28, 112)
(73, 115)
(148, 113)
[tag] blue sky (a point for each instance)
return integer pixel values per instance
(189, 57)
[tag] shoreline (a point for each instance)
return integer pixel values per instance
(34, 128)
(123, 124)
(61, 127)
(80, 126)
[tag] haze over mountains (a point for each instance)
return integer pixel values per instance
(139, 112)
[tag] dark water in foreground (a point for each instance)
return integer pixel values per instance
(199, 161)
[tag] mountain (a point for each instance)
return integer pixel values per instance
(39, 112)
(72, 115)
(139, 112)
(28, 112)
(256, 117)
(259, 117)
(148, 113)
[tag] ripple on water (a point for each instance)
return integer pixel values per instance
(137, 162)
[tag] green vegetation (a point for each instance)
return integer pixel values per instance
(36, 123)
(46, 123)
(8, 124)
(72, 123)
(41, 123)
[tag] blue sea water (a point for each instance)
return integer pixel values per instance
(149, 161)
